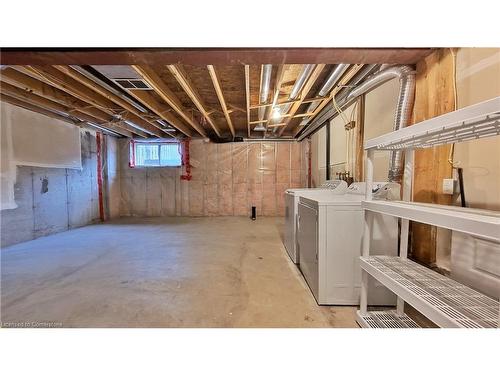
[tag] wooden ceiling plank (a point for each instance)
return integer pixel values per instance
(220, 96)
(188, 87)
(152, 78)
(247, 97)
(303, 94)
(146, 99)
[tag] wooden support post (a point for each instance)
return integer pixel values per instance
(434, 96)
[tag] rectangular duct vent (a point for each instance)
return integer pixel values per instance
(132, 84)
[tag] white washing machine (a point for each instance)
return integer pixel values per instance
(291, 202)
(329, 238)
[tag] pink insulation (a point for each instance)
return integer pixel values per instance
(227, 179)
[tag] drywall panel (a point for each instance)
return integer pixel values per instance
(43, 141)
(478, 79)
(7, 165)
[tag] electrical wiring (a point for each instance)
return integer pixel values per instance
(339, 110)
(454, 165)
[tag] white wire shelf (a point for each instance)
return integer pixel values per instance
(479, 223)
(385, 319)
(476, 121)
(441, 299)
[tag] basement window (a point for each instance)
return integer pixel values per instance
(155, 154)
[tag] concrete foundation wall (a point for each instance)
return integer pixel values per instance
(52, 200)
(111, 170)
(228, 179)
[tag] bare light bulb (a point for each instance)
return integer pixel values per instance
(276, 114)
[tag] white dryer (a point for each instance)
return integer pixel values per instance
(291, 202)
(329, 238)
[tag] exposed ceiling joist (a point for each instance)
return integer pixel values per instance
(20, 103)
(110, 129)
(277, 88)
(286, 102)
(105, 93)
(344, 81)
(41, 89)
(220, 96)
(146, 99)
(214, 56)
(303, 94)
(152, 78)
(59, 80)
(188, 87)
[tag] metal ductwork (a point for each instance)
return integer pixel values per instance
(330, 112)
(331, 81)
(406, 76)
(265, 84)
(297, 88)
(110, 88)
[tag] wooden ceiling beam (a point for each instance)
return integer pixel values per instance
(277, 88)
(20, 103)
(213, 56)
(247, 97)
(303, 94)
(59, 80)
(79, 77)
(285, 116)
(310, 100)
(152, 78)
(351, 72)
(220, 96)
(67, 84)
(41, 89)
(35, 108)
(146, 99)
(188, 87)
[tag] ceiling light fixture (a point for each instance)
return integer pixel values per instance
(276, 114)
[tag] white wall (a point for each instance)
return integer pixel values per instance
(32, 139)
(478, 79)
(380, 106)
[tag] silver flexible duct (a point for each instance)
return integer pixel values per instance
(332, 80)
(406, 76)
(297, 88)
(330, 112)
(267, 69)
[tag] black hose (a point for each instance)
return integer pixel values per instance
(461, 184)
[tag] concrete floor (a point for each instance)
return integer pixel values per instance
(162, 272)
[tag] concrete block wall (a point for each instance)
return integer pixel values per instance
(52, 200)
(228, 179)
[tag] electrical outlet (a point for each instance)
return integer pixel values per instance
(448, 186)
